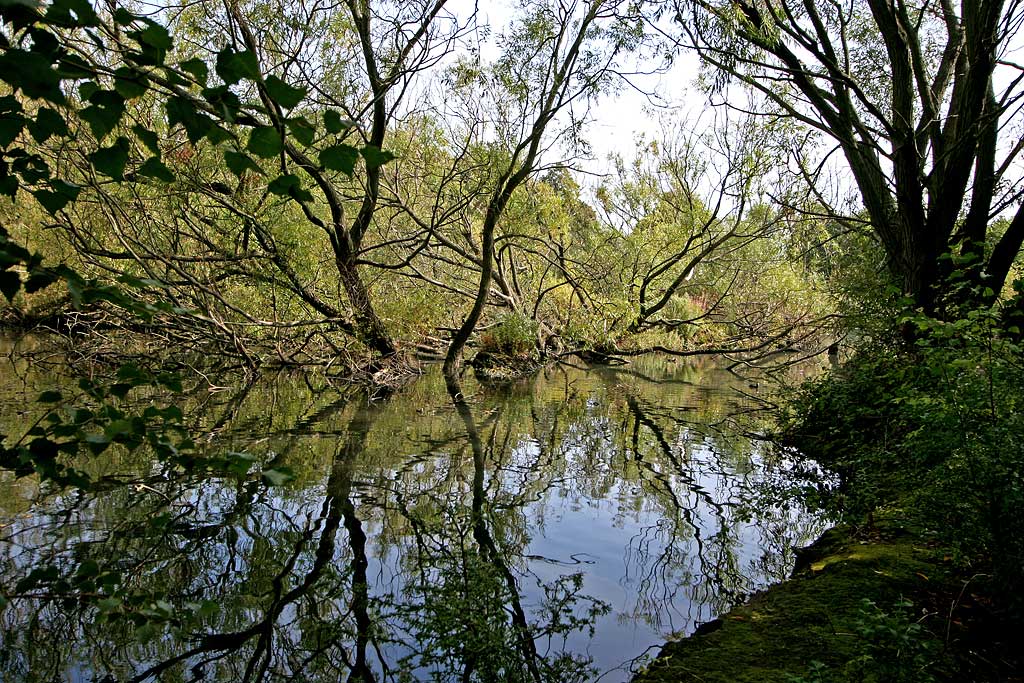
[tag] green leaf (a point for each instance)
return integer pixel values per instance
(9, 103)
(145, 633)
(238, 163)
(197, 125)
(20, 13)
(12, 253)
(47, 124)
(51, 201)
(105, 112)
(208, 608)
(11, 126)
(73, 66)
(124, 17)
(289, 185)
(216, 134)
(284, 184)
(340, 158)
(87, 89)
(40, 279)
(97, 443)
(265, 142)
(197, 68)
(120, 389)
(32, 73)
(154, 40)
(234, 66)
(50, 397)
(225, 101)
(88, 569)
(238, 463)
(335, 123)
(72, 13)
(148, 138)
(132, 373)
(12, 121)
(375, 157)
(58, 196)
(172, 413)
(130, 83)
(285, 95)
(32, 168)
(38, 577)
(112, 160)
(302, 130)
(154, 168)
(170, 381)
(44, 42)
(8, 186)
(117, 428)
(277, 476)
(108, 604)
(10, 283)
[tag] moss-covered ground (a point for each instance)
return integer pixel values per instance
(923, 623)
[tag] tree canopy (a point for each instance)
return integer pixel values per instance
(921, 98)
(306, 183)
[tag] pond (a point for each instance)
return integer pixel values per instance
(560, 528)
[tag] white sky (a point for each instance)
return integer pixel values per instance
(620, 120)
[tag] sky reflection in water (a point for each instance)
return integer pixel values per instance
(555, 529)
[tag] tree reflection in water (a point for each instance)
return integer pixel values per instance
(551, 530)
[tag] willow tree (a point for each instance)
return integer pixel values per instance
(555, 56)
(271, 109)
(687, 205)
(922, 100)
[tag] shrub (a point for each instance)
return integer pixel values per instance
(896, 647)
(937, 430)
(514, 335)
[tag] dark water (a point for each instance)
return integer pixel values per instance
(558, 529)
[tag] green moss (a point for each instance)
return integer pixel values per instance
(818, 616)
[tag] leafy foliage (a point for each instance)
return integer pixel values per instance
(514, 335)
(486, 644)
(869, 79)
(110, 124)
(936, 430)
(899, 649)
(104, 413)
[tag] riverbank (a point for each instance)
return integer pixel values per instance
(923, 580)
(879, 603)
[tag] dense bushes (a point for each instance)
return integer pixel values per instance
(936, 431)
(514, 335)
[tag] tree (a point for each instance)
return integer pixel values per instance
(920, 98)
(269, 110)
(686, 205)
(557, 55)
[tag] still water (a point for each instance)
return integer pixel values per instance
(556, 529)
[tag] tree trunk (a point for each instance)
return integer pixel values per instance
(369, 327)
(453, 357)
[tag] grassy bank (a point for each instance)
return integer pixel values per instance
(878, 604)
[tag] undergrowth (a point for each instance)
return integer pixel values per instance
(936, 431)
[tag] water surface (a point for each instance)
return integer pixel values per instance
(560, 528)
